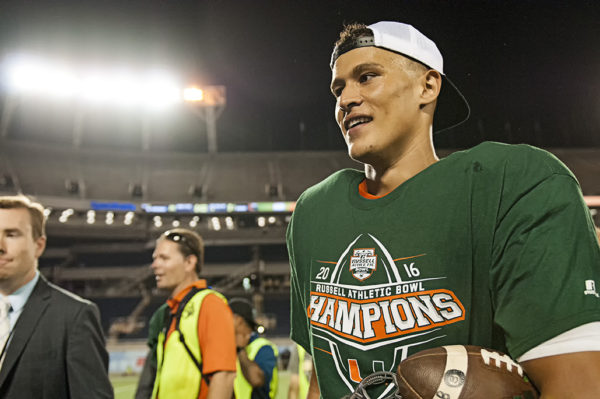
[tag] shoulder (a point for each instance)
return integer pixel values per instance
(320, 198)
(334, 185)
(160, 309)
(514, 164)
(64, 297)
(214, 297)
(215, 304)
(266, 348)
(266, 351)
(522, 157)
(158, 315)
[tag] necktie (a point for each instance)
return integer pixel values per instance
(4, 325)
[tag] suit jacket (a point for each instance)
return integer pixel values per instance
(57, 350)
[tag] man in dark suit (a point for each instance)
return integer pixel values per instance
(52, 344)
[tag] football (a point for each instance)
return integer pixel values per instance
(462, 372)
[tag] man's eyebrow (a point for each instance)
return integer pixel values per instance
(362, 67)
(12, 230)
(357, 70)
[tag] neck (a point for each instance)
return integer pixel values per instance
(183, 285)
(8, 287)
(384, 177)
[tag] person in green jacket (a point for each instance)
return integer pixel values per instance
(257, 375)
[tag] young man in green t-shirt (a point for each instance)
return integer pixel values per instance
(492, 246)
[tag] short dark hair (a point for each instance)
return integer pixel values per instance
(353, 31)
(189, 243)
(35, 209)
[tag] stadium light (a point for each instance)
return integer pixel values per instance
(160, 90)
(124, 89)
(91, 216)
(23, 74)
(110, 217)
(216, 223)
(229, 223)
(194, 221)
(128, 218)
(30, 76)
(207, 96)
(94, 87)
(207, 103)
(193, 94)
(64, 216)
(151, 89)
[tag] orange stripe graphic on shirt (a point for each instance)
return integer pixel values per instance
(323, 350)
(409, 257)
(383, 317)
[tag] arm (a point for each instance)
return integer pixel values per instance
(252, 372)
(221, 385)
(572, 375)
(258, 372)
(217, 343)
(545, 251)
(313, 388)
(293, 387)
(87, 359)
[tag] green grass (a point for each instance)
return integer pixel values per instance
(125, 386)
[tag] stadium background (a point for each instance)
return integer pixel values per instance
(113, 177)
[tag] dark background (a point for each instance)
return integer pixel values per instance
(528, 68)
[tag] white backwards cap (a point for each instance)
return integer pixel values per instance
(452, 109)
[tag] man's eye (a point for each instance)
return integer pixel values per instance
(336, 92)
(366, 76)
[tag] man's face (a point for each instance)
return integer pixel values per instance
(239, 324)
(169, 265)
(19, 252)
(377, 103)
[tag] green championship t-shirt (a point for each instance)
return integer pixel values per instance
(493, 246)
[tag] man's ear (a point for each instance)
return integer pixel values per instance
(431, 86)
(190, 263)
(40, 246)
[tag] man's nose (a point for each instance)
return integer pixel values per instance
(350, 97)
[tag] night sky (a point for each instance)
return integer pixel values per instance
(530, 70)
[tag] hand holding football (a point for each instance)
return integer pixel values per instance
(462, 372)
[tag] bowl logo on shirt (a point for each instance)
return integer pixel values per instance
(363, 263)
(370, 302)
